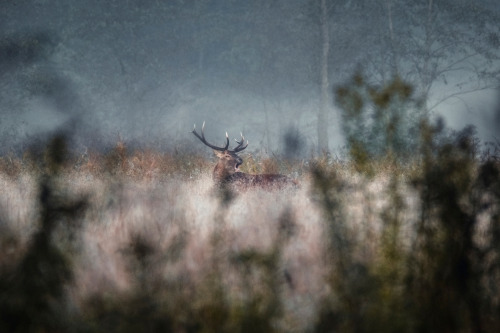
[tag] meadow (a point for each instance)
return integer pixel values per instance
(142, 241)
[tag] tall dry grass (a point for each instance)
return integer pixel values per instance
(142, 241)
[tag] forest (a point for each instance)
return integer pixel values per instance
(145, 71)
(385, 114)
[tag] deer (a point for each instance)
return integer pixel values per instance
(227, 173)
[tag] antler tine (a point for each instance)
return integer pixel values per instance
(240, 144)
(202, 139)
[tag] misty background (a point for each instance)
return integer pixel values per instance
(144, 71)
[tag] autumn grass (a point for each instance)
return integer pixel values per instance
(147, 243)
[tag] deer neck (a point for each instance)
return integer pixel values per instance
(221, 173)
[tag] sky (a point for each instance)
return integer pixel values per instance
(145, 71)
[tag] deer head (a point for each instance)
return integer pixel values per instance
(229, 161)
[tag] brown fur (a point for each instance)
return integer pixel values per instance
(226, 171)
(267, 181)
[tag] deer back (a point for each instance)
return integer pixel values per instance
(243, 180)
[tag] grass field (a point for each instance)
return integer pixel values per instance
(143, 241)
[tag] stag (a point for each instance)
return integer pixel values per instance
(227, 172)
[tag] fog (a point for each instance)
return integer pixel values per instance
(145, 71)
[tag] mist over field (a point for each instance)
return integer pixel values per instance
(145, 71)
(362, 193)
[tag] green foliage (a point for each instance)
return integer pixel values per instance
(432, 274)
(33, 294)
(448, 266)
(378, 121)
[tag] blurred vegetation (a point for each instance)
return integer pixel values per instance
(439, 277)
(436, 271)
(379, 121)
(33, 297)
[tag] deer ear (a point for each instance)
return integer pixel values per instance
(219, 154)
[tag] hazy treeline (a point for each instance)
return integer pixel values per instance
(144, 71)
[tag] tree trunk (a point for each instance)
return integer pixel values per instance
(325, 87)
(394, 55)
(427, 72)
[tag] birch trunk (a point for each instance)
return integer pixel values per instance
(325, 87)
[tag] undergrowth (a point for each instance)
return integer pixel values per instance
(378, 246)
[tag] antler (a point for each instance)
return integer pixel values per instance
(240, 144)
(238, 148)
(202, 139)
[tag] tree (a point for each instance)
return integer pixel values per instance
(446, 49)
(325, 86)
(379, 121)
(442, 49)
(342, 33)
